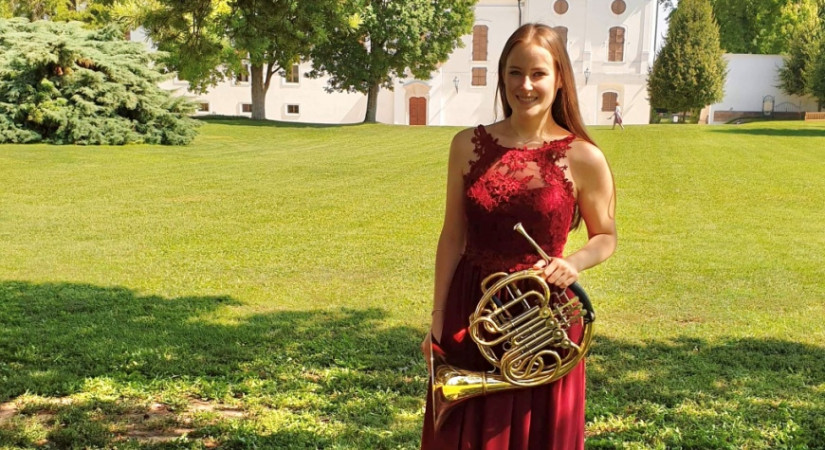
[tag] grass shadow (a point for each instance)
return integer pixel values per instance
(694, 393)
(341, 374)
(245, 121)
(776, 132)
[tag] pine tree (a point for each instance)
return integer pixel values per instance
(63, 84)
(689, 73)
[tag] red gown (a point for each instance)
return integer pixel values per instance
(505, 186)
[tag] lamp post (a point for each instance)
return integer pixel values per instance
(455, 83)
(586, 75)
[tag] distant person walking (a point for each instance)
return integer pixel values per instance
(617, 116)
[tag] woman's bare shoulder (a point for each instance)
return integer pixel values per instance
(585, 155)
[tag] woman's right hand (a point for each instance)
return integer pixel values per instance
(426, 350)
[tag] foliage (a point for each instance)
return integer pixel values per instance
(689, 72)
(97, 13)
(794, 74)
(171, 299)
(816, 75)
(63, 84)
(206, 41)
(393, 38)
(765, 26)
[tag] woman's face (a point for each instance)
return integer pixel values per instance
(530, 80)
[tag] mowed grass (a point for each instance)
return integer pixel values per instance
(268, 286)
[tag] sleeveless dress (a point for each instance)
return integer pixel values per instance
(505, 186)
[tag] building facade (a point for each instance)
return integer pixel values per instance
(610, 43)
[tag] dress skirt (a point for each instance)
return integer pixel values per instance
(548, 417)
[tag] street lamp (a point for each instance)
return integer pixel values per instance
(586, 75)
(455, 83)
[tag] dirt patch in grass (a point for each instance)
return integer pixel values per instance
(152, 424)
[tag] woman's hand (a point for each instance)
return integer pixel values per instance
(426, 348)
(558, 272)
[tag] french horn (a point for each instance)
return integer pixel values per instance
(521, 327)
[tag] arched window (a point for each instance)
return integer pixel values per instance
(562, 31)
(609, 100)
(480, 43)
(615, 49)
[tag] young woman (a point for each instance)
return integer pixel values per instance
(538, 166)
(617, 116)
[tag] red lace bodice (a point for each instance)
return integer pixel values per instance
(505, 186)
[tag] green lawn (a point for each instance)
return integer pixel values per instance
(268, 286)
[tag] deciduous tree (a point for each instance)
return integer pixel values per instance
(207, 41)
(764, 26)
(689, 72)
(393, 38)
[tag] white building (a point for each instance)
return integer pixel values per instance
(610, 43)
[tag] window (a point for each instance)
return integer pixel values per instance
(480, 43)
(243, 77)
(479, 76)
(562, 32)
(293, 75)
(615, 49)
(609, 100)
(618, 6)
(560, 7)
(293, 109)
(246, 107)
(203, 107)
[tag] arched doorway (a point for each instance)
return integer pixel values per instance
(418, 111)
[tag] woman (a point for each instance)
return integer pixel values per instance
(617, 116)
(538, 166)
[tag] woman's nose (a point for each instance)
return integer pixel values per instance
(527, 84)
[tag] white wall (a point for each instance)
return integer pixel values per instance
(752, 77)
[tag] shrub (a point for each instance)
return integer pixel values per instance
(63, 84)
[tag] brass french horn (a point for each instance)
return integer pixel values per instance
(521, 327)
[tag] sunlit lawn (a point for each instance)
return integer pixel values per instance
(268, 286)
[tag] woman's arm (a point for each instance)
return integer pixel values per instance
(596, 197)
(454, 230)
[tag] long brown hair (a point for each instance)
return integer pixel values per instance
(565, 109)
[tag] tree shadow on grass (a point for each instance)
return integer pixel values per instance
(694, 393)
(245, 121)
(323, 378)
(781, 132)
(344, 379)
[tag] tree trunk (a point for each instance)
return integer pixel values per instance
(258, 93)
(372, 104)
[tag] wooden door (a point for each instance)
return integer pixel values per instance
(418, 111)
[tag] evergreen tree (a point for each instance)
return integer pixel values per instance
(793, 75)
(393, 37)
(816, 75)
(63, 84)
(689, 73)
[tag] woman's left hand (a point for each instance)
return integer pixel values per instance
(558, 272)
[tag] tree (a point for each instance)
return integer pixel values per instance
(764, 26)
(689, 72)
(96, 13)
(793, 75)
(816, 74)
(393, 37)
(63, 84)
(207, 41)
